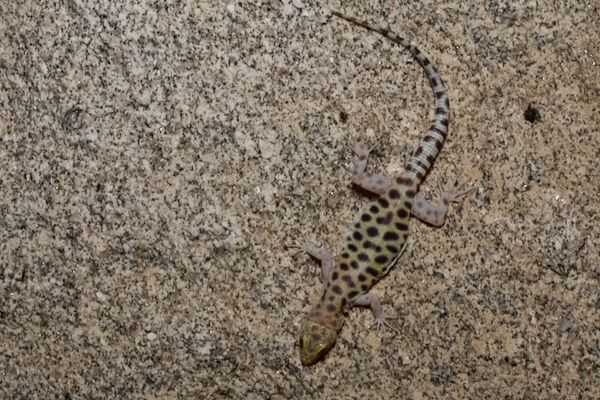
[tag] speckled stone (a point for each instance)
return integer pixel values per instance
(156, 158)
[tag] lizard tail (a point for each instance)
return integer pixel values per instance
(431, 144)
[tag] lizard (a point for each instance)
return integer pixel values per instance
(379, 233)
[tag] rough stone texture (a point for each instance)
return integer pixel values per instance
(156, 158)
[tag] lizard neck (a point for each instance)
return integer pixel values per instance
(329, 310)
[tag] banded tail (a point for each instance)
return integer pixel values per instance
(431, 144)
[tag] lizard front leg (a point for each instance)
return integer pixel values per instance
(321, 254)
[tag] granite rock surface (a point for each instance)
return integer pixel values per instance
(158, 158)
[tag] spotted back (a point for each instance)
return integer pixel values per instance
(376, 239)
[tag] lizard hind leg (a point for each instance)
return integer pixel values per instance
(374, 183)
(372, 300)
(454, 194)
(436, 215)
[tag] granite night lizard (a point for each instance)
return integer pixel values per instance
(378, 235)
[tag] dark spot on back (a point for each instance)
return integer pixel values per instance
(354, 264)
(372, 231)
(404, 181)
(391, 249)
(362, 278)
(344, 267)
(363, 257)
(382, 259)
(334, 275)
(383, 202)
(352, 247)
(364, 287)
(374, 209)
(385, 220)
(357, 235)
(390, 236)
(394, 194)
(348, 280)
(366, 217)
(372, 271)
(330, 308)
(401, 226)
(402, 213)
(336, 289)
(345, 255)
(352, 294)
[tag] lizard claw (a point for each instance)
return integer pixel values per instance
(305, 247)
(382, 323)
(454, 194)
(360, 148)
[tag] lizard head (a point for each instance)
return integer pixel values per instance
(315, 340)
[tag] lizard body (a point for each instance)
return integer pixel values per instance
(378, 235)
